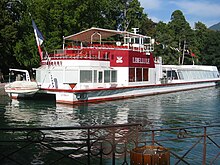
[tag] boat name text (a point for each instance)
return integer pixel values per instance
(138, 60)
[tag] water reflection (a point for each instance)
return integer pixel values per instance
(187, 108)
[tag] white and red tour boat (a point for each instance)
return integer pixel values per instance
(100, 64)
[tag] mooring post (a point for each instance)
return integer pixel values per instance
(88, 145)
(113, 147)
(204, 146)
(152, 136)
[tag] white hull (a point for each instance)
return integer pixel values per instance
(98, 95)
(21, 93)
(21, 89)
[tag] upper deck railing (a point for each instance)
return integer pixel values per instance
(96, 51)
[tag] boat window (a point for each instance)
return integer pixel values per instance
(95, 76)
(85, 76)
(172, 74)
(131, 74)
(215, 74)
(145, 74)
(180, 75)
(19, 77)
(136, 40)
(113, 76)
(138, 74)
(196, 74)
(100, 77)
(107, 76)
(127, 40)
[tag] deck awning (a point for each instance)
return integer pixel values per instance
(85, 36)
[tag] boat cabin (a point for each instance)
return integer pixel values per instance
(178, 73)
(99, 58)
(18, 75)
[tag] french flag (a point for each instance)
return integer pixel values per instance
(39, 39)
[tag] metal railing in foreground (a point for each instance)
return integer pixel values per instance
(106, 144)
(187, 145)
(68, 145)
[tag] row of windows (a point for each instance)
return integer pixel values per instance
(108, 76)
(189, 75)
(138, 74)
(171, 74)
(90, 76)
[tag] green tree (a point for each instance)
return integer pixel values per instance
(10, 16)
(53, 20)
(211, 49)
(197, 45)
(58, 18)
(164, 43)
(181, 32)
(132, 16)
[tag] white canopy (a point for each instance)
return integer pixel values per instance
(96, 33)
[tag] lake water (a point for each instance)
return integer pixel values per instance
(181, 109)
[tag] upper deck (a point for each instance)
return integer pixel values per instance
(101, 44)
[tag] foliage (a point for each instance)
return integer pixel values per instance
(164, 41)
(211, 49)
(58, 18)
(9, 15)
(176, 37)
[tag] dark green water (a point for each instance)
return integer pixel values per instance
(189, 108)
(182, 109)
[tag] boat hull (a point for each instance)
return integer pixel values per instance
(21, 89)
(21, 94)
(108, 94)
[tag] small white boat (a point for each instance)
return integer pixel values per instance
(23, 86)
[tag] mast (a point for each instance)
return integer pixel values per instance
(184, 47)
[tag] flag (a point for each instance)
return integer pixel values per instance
(39, 38)
(192, 54)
